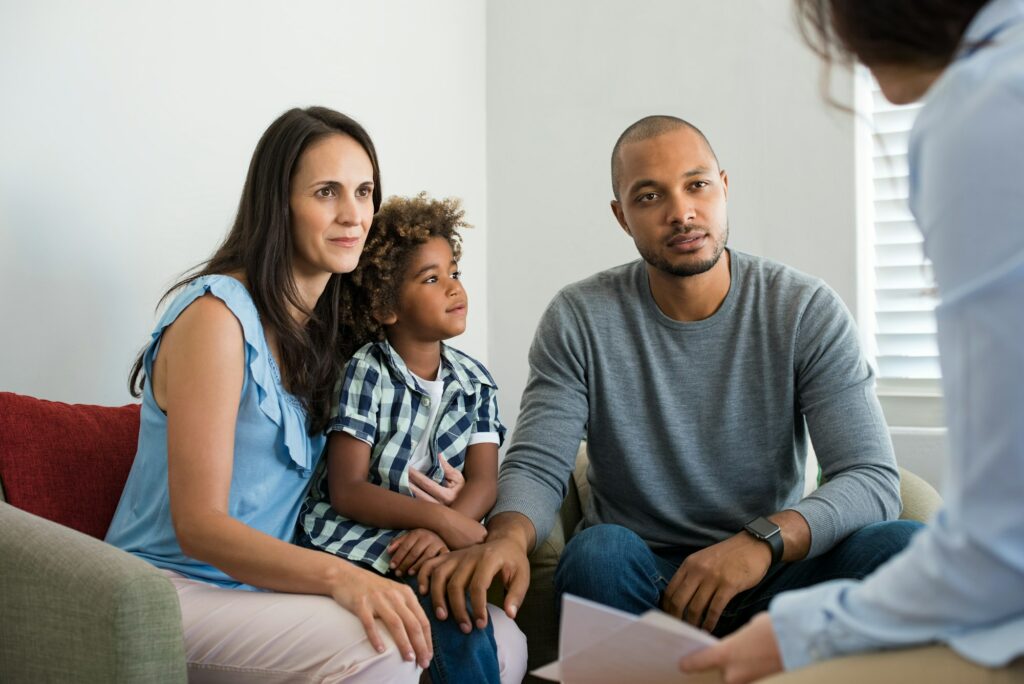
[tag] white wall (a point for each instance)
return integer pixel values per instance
(127, 128)
(565, 78)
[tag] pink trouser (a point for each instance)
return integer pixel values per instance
(263, 637)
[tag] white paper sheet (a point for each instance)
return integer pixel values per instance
(600, 645)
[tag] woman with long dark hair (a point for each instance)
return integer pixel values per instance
(237, 386)
(950, 608)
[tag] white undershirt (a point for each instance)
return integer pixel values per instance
(420, 458)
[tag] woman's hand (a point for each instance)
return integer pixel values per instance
(744, 656)
(411, 549)
(428, 490)
(369, 596)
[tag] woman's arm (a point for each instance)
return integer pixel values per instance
(480, 490)
(198, 376)
(352, 495)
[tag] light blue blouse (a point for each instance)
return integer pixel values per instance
(961, 580)
(273, 459)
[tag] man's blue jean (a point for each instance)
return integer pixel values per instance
(458, 658)
(612, 565)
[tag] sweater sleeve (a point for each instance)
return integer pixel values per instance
(552, 421)
(835, 390)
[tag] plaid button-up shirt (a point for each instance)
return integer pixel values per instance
(383, 404)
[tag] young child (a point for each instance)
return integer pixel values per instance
(409, 402)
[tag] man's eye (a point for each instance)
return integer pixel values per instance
(699, 185)
(647, 197)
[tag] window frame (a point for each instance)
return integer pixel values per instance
(906, 402)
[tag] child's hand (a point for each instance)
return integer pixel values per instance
(413, 548)
(428, 490)
(459, 530)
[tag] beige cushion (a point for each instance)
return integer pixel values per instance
(920, 500)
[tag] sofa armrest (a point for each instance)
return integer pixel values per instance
(73, 608)
(537, 616)
(920, 500)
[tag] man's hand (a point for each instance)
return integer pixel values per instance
(413, 548)
(473, 569)
(428, 490)
(710, 578)
(744, 656)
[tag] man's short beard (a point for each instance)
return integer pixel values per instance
(688, 269)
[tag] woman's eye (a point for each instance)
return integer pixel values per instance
(364, 192)
(326, 191)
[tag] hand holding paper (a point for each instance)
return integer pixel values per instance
(744, 656)
(601, 645)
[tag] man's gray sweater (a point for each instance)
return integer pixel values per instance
(694, 429)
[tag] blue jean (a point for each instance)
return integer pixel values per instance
(458, 657)
(612, 565)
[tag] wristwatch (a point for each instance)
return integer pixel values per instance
(765, 530)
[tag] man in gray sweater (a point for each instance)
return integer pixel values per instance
(697, 375)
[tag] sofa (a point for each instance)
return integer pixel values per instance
(73, 608)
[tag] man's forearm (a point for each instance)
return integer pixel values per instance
(515, 527)
(796, 535)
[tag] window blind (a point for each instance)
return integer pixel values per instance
(904, 295)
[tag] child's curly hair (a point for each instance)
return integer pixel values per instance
(399, 228)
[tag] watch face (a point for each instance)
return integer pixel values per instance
(762, 527)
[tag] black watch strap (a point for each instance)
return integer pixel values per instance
(765, 530)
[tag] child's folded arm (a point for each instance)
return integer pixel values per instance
(481, 474)
(352, 495)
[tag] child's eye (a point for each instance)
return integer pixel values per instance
(431, 279)
(457, 275)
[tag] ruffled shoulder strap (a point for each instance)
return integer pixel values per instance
(284, 409)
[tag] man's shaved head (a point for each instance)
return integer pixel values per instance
(644, 129)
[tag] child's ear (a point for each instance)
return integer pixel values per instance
(385, 317)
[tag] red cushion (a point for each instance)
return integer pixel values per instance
(66, 462)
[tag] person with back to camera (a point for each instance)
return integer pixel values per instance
(951, 607)
(409, 402)
(236, 388)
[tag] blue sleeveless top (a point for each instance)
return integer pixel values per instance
(273, 460)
